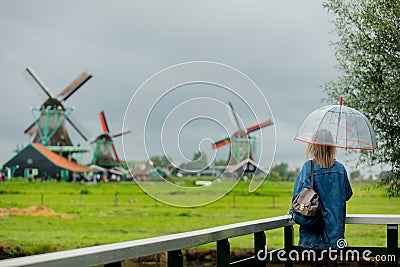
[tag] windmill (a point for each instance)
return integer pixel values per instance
(104, 146)
(49, 127)
(241, 143)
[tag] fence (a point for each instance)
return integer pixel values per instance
(111, 255)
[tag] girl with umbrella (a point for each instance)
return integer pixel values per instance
(333, 187)
(324, 130)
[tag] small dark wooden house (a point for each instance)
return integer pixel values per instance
(38, 161)
(245, 168)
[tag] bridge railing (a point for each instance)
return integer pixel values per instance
(114, 254)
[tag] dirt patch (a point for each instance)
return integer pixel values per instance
(31, 211)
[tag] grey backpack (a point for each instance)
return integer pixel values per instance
(306, 207)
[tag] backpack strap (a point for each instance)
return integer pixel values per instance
(312, 175)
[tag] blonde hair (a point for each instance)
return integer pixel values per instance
(322, 154)
(321, 148)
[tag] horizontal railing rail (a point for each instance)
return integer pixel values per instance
(113, 254)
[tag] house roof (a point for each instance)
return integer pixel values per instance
(233, 168)
(59, 160)
(140, 172)
(118, 171)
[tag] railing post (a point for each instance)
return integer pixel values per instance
(288, 242)
(223, 253)
(392, 241)
(175, 258)
(260, 243)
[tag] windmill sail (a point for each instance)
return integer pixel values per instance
(32, 129)
(75, 85)
(76, 129)
(232, 116)
(120, 132)
(49, 127)
(40, 83)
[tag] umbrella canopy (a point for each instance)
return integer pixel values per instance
(338, 126)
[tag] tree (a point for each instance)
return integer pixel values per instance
(368, 60)
(198, 162)
(274, 175)
(221, 162)
(197, 155)
(282, 170)
(161, 161)
(355, 175)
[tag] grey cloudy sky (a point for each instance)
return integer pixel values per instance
(283, 46)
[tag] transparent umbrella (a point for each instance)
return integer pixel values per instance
(348, 128)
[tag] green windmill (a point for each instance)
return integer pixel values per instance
(241, 143)
(49, 126)
(104, 147)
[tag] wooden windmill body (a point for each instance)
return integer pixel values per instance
(240, 147)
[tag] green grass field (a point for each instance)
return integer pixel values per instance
(87, 215)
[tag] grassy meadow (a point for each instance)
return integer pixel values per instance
(88, 215)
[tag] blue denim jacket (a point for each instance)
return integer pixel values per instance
(333, 188)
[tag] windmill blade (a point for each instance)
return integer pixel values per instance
(75, 85)
(32, 129)
(103, 121)
(222, 142)
(40, 83)
(115, 153)
(77, 129)
(232, 116)
(120, 132)
(259, 126)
